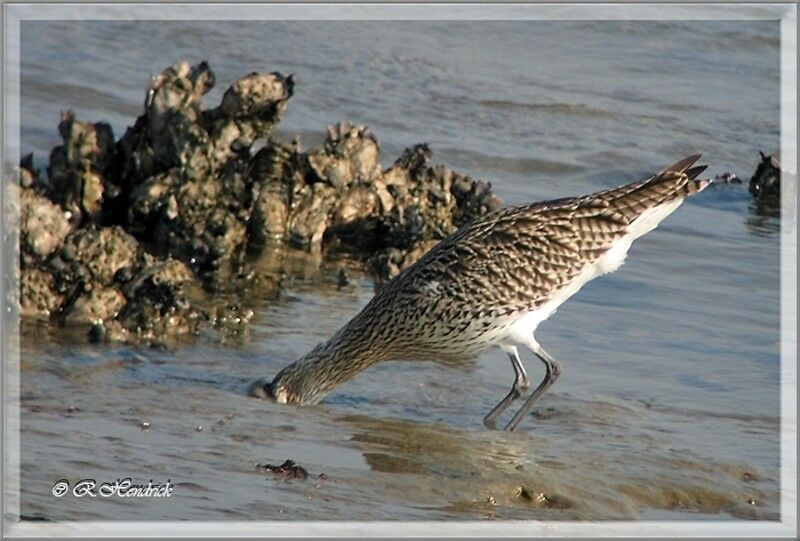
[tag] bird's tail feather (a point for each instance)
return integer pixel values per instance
(678, 180)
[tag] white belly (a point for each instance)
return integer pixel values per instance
(521, 332)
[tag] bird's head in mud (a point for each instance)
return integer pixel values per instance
(269, 390)
(295, 384)
(309, 379)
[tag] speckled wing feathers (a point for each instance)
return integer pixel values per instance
(515, 259)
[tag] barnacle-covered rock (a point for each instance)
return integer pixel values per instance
(153, 201)
(98, 304)
(94, 255)
(310, 215)
(231, 320)
(410, 165)
(472, 198)
(261, 95)
(123, 235)
(172, 110)
(77, 166)
(158, 304)
(187, 173)
(355, 218)
(29, 175)
(271, 172)
(169, 133)
(270, 213)
(387, 264)
(38, 297)
(429, 203)
(101, 276)
(357, 203)
(350, 153)
(250, 109)
(385, 198)
(43, 225)
(200, 221)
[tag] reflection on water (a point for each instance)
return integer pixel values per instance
(512, 475)
(765, 214)
(668, 405)
(764, 219)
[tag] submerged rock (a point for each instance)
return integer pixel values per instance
(765, 184)
(727, 178)
(287, 470)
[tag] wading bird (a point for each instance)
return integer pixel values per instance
(491, 283)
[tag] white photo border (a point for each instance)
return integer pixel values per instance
(14, 14)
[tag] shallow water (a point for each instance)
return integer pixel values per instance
(668, 406)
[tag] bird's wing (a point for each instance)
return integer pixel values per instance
(517, 258)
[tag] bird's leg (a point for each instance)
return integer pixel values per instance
(552, 371)
(521, 384)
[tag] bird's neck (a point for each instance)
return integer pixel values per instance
(308, 380)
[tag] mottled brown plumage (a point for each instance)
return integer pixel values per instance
(490, 284)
